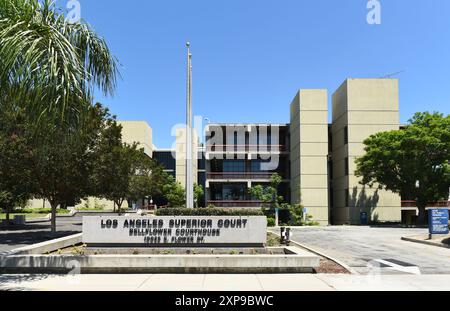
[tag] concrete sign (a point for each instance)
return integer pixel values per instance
(438, 221)
(174, 231)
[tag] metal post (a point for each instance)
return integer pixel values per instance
(282, 235)
(189, 177)
(288, 236)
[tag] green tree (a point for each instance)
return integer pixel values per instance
(106, 180)
(115, 172)
(396, 160)
(296, 212)
(48, 72)
(16, 182)
(149, 179)
(198, 193)
(63, 161)
(174, 192)
(124, 172)
(269, 194)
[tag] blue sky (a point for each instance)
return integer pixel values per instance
(251, 56)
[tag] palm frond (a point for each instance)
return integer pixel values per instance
(51, 65)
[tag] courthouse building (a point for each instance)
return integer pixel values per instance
(315, 159)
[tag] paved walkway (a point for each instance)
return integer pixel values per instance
(38, 232)
(225, 282)
(375, 250)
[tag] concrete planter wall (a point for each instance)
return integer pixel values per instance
(294, 261)
(48, 246)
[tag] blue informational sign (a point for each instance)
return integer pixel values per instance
(438, 221)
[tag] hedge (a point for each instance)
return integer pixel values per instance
(39, 211)
(208, 212)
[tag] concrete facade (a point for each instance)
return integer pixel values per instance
(309, 152)
(235, 155)
(317, 159)
(138, 132)
(361, 108)
(198, 231)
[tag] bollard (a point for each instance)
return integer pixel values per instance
(288, 236)
(282, 234)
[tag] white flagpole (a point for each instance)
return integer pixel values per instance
(189, 177)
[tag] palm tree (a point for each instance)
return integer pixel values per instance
(49, 67)
(48, 63)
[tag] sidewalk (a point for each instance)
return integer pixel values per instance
(226, 282)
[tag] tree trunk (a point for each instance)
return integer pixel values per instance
(54, 205)
(7, 217)
(421, 219)
(119, 207)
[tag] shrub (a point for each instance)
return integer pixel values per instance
(207, 212)
(313, 223)
(296, 212)
(40, 211)
(95, 206)
(89, 209)
(270, 222)
(269, 212)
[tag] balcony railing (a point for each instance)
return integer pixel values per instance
(434, 204)
(234, 204)
(240, 175)
(246, 148)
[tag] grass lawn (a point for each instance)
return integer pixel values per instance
(28, 216)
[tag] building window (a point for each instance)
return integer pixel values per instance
(166, 159)
(255, 165)
(233, 166)
(233, 192)
(201, 165)
(345, 135)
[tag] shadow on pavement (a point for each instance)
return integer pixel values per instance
(24, 227)
(397, 225)
(12, 282)
(31, 237)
